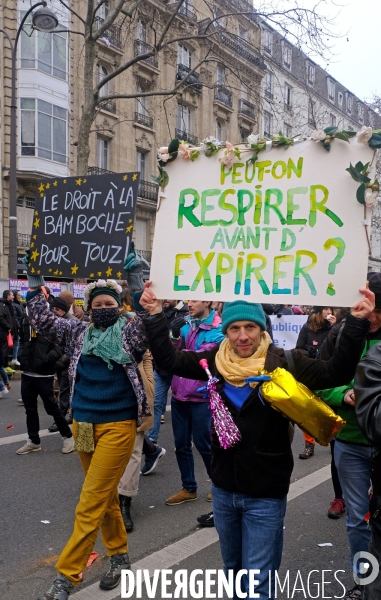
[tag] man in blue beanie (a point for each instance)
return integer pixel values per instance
(250, 480)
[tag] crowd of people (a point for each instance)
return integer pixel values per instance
(115, 363)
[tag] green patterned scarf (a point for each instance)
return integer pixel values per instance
(108, 344)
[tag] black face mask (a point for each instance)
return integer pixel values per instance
(104, 317)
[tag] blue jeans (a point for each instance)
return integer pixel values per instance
(353, 463)
(16, 346)
(251, 536)
(191, 420)
(162, 385)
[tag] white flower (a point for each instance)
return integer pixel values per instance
(210, 140)
(101, 283)
(252, 139)
(184, 150)
(318, 136)
(163, 157)
(370, 195)
(163, 150)
(364, 135)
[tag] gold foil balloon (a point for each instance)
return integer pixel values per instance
(296, 402)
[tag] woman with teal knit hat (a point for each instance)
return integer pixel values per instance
(250, 480)
(108, 402)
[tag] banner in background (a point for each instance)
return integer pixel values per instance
(78, 291)
(22, 285)
(286, 330)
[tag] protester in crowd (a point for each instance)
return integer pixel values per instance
(297, 310)
(282, 309)
(18, 316)
(50, 296)
(38, 357)
(310, 339)
(352, 452)
(61, 309)
(251, 479)
(74, 309)
(174, 310)
(108, 402)
(367, 390)
(8, 324)
(191, 416)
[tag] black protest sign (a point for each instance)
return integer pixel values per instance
(83, 226)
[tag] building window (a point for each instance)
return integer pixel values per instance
(102, 153)
(20, 201)
(331, 90)
(360, 112)
(244, 91)
(184, 118)
(29, 202)
(141, 103)
(310, 74)
(218, 19)
(141, 234)
(332, 119)
(141, 31)
(50, 122)
(244, 134)
(267, 40)
(268, 85)
(102, 73)
(184, 56)
(340, 98)
(267, 124)
(45, 51)
(219, 130)
(221, 75)
(287, 56)
(287, 96)
(287, 130)
(104, 10)
(141, 164)
(349, 104)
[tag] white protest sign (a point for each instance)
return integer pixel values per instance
(286, 330)
(287, 229)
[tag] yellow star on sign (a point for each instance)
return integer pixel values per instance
(56, 272)
(36, 212)
(134, 177)
(99, 273)
(125, 177)
(50, 270)
(41, 188)
(41, 195)
(35, 254)
(32, 270)
(60, 272)
(64, 180)
(47, 186)
(74, 269)
(36, 223)
(91, 275)
(35, 237)
(119, 275)
(130, 220)
(55, 183)
(109, 272)
(128, 229)
(78, 181)
(84, 181)
(39, 272)
(32, 244)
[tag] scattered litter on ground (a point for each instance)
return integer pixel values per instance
(92, 557)
(45, 522)
(326, 544)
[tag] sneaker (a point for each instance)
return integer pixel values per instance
(29, 447)
(20, 401)
(4, 392)
(308, 451)
(15, 362)
(111, 579)
(336, 508)
(162, 419)
(206, 520)
(209, 497)
(353, 594)
(53, 428)
(152, 460)
(68, 445)
(180, 497)
(9, 370)
(60, 590)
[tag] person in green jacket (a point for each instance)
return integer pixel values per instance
(352, 451)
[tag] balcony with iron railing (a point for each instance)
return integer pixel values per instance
(23, 240)
(141, 47)
(108, 105)
(193, 80)
(223, 95)
(146, 254)
(97, 171)
(241, 47)
(187, 11)
(112, 35)
(144, 119)
(247, 108)
(147, 189)
(186, 137)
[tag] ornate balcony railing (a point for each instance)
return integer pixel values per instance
(193, 80)
(108, 105)
(97, 171)
(186, 137)
(247, 108)
(145, 120)
(241, 47)
(187, 11)
(222, 94)
(147, 254)
(23, 240)
(112, 35)
(141, 47)
(148, 190)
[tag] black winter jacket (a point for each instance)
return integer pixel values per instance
(309, 342)
(37, 354)
(260, 465)
(7, 321)
(368, 411)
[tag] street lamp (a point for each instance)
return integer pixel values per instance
(43, 20)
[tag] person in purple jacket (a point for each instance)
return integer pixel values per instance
(191, 416)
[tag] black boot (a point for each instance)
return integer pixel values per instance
(125, 504)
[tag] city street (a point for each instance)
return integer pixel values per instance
(44, 486)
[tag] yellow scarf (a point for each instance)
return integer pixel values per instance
(235, 369)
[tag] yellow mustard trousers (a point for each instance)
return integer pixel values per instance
(98, 506)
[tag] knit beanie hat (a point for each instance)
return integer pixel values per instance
(375, 287)
(60, 303)
(239, 310)
(109, 287)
